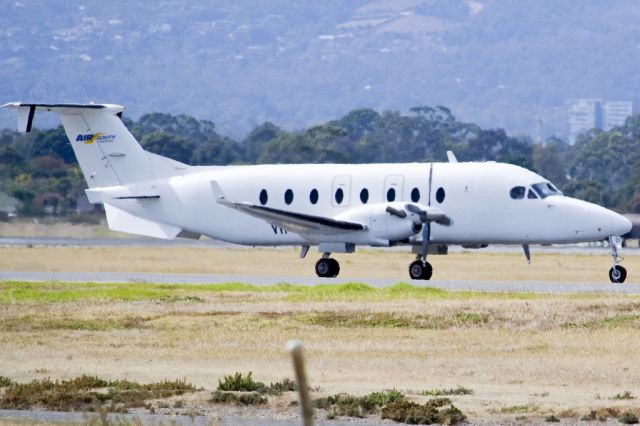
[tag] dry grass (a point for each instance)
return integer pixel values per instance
(284, 262)
(553, 355)
(33, 228)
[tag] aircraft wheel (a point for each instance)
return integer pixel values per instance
(323, 268)
(420, 270)
(617, 274)
(427, 271)
(335, 267)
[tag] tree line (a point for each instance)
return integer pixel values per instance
(40, 170)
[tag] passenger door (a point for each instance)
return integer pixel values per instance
(393, 187)
(341, 193)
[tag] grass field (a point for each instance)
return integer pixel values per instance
(521, 355)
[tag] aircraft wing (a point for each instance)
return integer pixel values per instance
(299, 223)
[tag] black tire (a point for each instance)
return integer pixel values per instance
(617, 274)
(416, 269)
(420, 270)
(427, 271)
(324, 268)
(335, 267)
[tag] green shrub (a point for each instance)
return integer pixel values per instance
(226, 397)
(285, 385)
(624, 395)
(460, 390)
(383, 398)
(602, 414)
(438, 410)
(5, 381)
(345, 405)
(628, 418)
(240, 383)
(352, 406)
(88, 393)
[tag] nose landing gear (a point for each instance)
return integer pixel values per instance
(617, 273)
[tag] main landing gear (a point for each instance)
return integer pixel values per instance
(327, 267)
(617, 273)
(420, 269)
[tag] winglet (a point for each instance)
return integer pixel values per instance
(451, 157)
(218, 193)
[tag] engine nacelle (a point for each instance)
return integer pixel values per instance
(384, 226)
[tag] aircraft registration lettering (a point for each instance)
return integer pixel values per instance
(277, 229)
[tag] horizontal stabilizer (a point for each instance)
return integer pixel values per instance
(121, 192)
(120, 220)
(26, 111)
(137, 197)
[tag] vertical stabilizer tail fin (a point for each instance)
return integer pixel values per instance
(107, 152)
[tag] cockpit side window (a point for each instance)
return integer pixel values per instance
(517, 192)
(531, 195)
(544, 189)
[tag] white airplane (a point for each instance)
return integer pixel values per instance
(336, 207)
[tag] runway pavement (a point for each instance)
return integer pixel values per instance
(493, 286)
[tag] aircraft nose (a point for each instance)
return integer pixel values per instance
(596, 221)
(619, 224)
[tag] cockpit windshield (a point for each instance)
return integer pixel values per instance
(544, 189)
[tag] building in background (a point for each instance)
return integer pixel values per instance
(584, 115)
(587, 114)
(615, 113)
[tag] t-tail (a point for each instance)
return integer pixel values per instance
(107, 152)
(112, 161)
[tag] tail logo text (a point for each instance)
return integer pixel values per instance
(95, 137)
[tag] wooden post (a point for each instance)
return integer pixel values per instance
(295, 348)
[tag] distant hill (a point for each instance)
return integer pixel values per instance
(498, 63)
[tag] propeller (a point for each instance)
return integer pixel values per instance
(426, 217)
(431, 215)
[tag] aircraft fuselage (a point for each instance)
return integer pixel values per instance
(478, 197)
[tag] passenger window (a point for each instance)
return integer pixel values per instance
(264, 197)
(440, 195)
(391, 194)
(364, 195)
(339, 195)
(313, 196)
(415, 195)
(531, 195)
(517, 192)
(288, 196)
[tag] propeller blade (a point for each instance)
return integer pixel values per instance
(431, 215)
(412, 208)
(395, 212)
(444, 220)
